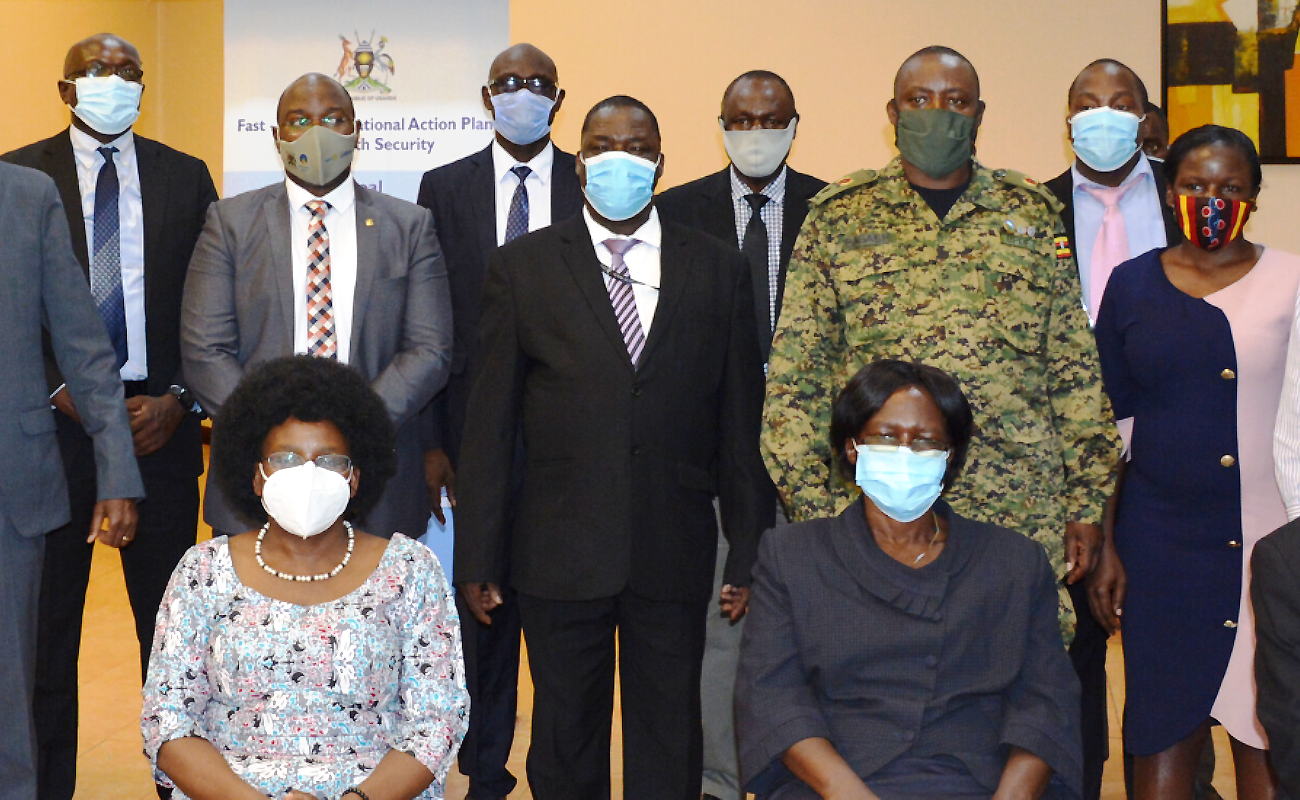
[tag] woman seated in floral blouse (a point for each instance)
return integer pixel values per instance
(305, 658)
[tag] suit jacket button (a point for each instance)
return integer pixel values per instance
(1234, 543)
(636, 450)
(1229, 624)
(1227, 374)
(636, 390)
(1227, 461)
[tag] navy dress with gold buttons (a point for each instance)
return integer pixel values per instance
(1200, 378)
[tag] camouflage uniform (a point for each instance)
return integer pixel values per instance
(991, 296)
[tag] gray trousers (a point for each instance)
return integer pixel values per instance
(20, 584)
(718, 685)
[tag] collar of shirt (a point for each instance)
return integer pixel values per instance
(537, 184)
(1140, 171)
(340, 198)
(503, 162)
(650, 233)
(85, 149)
(775, 190)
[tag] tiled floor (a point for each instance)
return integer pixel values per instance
(111, 767)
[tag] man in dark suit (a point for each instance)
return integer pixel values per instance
(1275, 595)
(320, 265)
(45, 289)
(519, 183)
(624, 349)
(1113, 212)
(758, 203)
(133, 226)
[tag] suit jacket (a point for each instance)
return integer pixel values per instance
(462, 197)
(705, 205)
(621, 464)
(1276, 598)
(1063, 187)
(175, 192)
(238, 312)
(44, 289)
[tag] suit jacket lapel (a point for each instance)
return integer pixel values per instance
(367, 264)
(674, 271)
(483, 199)
(580, 257)
(153, 202)
(60, 164)
(275, 210)
(566, 194)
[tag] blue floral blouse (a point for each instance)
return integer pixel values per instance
(309, 697)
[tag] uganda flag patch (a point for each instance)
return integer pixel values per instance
(1062, 247)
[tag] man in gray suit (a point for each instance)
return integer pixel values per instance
(44, 288)
(321, 265)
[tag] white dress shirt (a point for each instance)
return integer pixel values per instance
(642, 262)
(538, 185)
(341, 225)
(1286, 434)
(1144, 220)
(130, 215)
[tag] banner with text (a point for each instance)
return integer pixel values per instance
(412, 67)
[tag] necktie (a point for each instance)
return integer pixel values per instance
(1111, 248)
(517, 219)
(620, 294)
(754, 245)
(106, 260)
(321, 340)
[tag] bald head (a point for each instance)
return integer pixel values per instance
(102, 47)
(524, 60)
(936, 58)
(1109, 72)
(313, 91)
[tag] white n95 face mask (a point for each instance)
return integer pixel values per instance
(305, 500)
(109, 104)
(758, 152)
(318, 156)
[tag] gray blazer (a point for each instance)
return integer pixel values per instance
(44, 286)
(238, 312)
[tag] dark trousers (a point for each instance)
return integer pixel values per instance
(20, 568)
(168, 525)
(1088, 654)
(571, 653)
(492, 677)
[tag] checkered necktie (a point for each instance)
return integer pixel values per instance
(106, 256)
(517, 219)
(321, 340)
(620, 294)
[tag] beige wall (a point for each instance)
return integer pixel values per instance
(677, 56)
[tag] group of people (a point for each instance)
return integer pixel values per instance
(852, 481)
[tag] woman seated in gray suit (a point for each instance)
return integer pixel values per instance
(899, 650)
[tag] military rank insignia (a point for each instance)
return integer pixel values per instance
(1062, 247)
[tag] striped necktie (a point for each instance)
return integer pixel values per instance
(620, 294)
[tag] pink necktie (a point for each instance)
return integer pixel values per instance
(1111, 248)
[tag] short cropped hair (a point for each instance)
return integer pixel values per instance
(1142, 87)
(868, 391)
(761, 75)
(937, 50)
(1208, 135)
(309, 389)
(620, 101)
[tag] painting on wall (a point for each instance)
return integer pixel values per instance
(1233, 62)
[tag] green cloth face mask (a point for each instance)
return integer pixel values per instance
(937, 142)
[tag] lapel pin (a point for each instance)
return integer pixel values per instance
(370, 223)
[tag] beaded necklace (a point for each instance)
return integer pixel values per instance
(324, 576)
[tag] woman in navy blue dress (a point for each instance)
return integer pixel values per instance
(1193, 343)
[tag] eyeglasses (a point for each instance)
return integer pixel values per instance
(922, 447)
(301, 123)
(513, 83)
(330, 461)
(98, 69)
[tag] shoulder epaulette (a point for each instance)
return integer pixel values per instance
(859, 178)
(1023, 181)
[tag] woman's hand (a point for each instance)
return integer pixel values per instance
(294, 794)
(817, 763)
(1025, 777)
(1106, 587)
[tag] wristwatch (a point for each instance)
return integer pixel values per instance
(186, 398)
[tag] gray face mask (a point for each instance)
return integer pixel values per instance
(937, 142)
(318, 156)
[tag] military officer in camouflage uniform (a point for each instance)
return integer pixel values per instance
(936, 258)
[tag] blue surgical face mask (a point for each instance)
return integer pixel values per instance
(619, 185)
(523, 117)
(1104, 138)
(901, 483)
(109, 105)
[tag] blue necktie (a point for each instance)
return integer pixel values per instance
(517, 219)
(106, 258)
